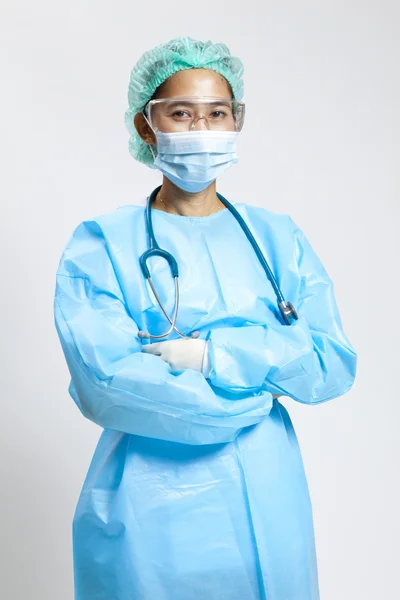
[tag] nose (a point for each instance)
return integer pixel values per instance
(203, 124)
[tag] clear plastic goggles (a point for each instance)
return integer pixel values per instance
(187, 114)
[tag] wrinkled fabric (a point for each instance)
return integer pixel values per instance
(196, 490)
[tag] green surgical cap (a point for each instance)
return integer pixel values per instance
(156, 65)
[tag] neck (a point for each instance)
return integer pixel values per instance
(179, 202)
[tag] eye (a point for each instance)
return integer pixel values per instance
(180, 114)
(218, 114)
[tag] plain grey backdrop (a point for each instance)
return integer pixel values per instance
(320, 142)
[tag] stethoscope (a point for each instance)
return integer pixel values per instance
(286, 309)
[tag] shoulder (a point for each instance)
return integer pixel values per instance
(98, 237)
(104, 223)
(263, 218)
(117, 217)
(279, 230)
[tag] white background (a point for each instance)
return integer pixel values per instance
(321, 142)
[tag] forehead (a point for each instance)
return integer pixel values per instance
(195, 82)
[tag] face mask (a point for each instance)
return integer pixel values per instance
(194, 159)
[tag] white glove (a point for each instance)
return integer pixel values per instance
(182, 354)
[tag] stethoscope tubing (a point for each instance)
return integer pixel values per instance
(287, 310)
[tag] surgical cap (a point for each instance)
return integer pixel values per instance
(156, 65)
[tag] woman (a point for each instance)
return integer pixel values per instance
(196, 489)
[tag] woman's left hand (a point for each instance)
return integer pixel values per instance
(182, 354)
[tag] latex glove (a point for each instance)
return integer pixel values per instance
(182, 354)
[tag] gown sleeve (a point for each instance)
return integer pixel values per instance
(116, 385)
(310, 360)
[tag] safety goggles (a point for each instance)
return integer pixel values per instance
(185, 113)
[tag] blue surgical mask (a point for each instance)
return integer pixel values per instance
(194, 159)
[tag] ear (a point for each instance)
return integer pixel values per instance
(144, 129)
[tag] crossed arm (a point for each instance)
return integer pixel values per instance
(120, 387)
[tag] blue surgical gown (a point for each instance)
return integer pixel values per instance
(196, 490)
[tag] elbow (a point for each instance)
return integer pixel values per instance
(87, 408)
(332, 378)
(339, 387)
